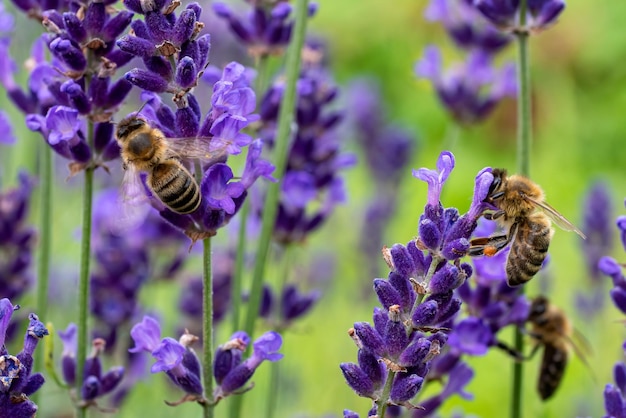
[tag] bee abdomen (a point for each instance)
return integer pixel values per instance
(176, 188)
(553, 365)
(528, 251)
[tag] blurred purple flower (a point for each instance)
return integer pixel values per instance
(540, 14)
(471, 90)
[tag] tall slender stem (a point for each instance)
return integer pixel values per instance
(285, 120)
(83, 281)
(260, 87)
(273, 387)
(207, 327)
(524, 139)
(45, 236)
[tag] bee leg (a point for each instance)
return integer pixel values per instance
(488, 245)
(517, 356)
(492, 216)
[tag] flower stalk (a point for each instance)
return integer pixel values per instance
(83, 281)
(207, 327)
(286, 116)
(524, 137)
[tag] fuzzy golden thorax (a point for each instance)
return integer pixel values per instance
(513, 202)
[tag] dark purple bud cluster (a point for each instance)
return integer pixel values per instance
(231, 372)
(417, 297)
(388, 149)
(540, 14)
(293, 304)
(77, 83)
(311, 186)
(171, 47)
(267, 28)
(16, 381)
(95, 382)
(16, 239)
(615, 270)
(124, 262)
(597, 226)
(467, 27)
(470, 90)
(615, 395)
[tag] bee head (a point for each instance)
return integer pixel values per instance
(538, 307)
(498, 178)
(129, 125)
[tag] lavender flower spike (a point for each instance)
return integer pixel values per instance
(540, 14)
(16, 381)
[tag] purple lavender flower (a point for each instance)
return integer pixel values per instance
(469, 91)
(466, 26)
(540, 14)
(314, 159)
(615, 395)
(16, 381)
(95, 383)
(7, 129)
(58, 99)
(267, 28)
(233, 373)
(175, 358)
(17, 239)
(597, 217)
(418, 298)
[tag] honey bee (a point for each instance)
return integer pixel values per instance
(553, 331)
(527, 218)
(145, 148)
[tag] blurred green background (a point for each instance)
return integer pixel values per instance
(579, 100)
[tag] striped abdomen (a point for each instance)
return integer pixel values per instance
(529, 248)
(175, 186)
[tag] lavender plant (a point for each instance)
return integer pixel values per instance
(17, 382)
(615, 394)
(396, 354)
(596, 226)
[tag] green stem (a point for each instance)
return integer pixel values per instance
(83, 282)
(273, 387)
(285, 119)
(384, 397)
(45, 236)
(207, 328)
(236, 290)
(524, 139)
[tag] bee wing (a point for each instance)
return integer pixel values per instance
(558, 219)
(133, 201)
(207, 150)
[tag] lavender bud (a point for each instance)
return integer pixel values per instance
(77, 96)
(387, 295)
(618, 295)
(184, 27)
(425, 314)
(380, 319)
(405, 387)
(396, 338)
(429, 234)
(116, 25)
(74, 27)
(445, 279)
(71, 55)
(370, 365)
(415, 353)
(370, 338)
(613, 402)
(404, 289)
(619, 375)
(357, 379)
(402, 260)
(447, 313)
(186, 72)
(186, 122)
(146, 80)
(136, 46)
(118, 92)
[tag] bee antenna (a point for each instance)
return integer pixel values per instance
(141, 108)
